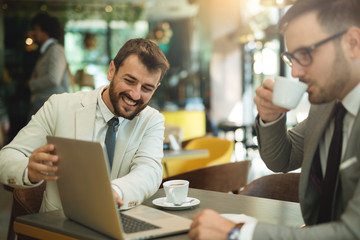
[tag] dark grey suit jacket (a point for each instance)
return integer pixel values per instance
(283, 151)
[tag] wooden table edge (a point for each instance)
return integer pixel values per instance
(39, 233)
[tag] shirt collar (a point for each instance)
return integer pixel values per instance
(47, 44)
(105, 111)
(352, 101)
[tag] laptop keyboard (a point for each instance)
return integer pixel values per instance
(133, 225)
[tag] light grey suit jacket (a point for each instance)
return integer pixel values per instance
(284, 151)
(136, 170)
(51, 73)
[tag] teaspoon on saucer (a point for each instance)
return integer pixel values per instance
(180, 204)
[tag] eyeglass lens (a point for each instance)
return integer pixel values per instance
(302, 56)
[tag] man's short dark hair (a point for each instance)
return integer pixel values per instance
(333, 15)
(48, 24)
(148, 52)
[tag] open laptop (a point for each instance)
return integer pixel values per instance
(87, 197)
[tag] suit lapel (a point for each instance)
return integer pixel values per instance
(354, 138)
(317, 123)
(85, 117)
(85, 122)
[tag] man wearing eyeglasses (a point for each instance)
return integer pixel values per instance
(323, 42)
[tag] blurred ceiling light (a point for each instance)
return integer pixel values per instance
(161, 33)
(108, 8)
(246, 38)
(30, 44)
(29, 41)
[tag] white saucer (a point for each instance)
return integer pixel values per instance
(163, 203)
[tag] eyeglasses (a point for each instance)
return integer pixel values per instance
(303, 55)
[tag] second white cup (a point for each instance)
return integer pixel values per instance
(288, 92)
(176, 191)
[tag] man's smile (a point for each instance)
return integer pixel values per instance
(129, 101)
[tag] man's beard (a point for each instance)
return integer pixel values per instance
(339, 76)
(114, 99)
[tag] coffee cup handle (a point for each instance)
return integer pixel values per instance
(171, 192)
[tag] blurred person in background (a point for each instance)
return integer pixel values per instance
(51, 74)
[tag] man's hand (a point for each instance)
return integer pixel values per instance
(118, 199)
(41, 164)
(208, 224)
(268, 112)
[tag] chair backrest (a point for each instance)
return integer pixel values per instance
(228, 177)
(220, 151)
(25, 201)
(218, 147)
(281, 186)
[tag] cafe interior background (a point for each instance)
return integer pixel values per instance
(219, 51)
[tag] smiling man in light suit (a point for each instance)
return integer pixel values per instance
(323, 42)
(136, 171)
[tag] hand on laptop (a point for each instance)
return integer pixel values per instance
(118, 199)
(40, 166)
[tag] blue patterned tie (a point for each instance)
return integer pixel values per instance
(110, 139)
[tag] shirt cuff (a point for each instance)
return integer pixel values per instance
(117, 190)
(26, 179)
(247, 231)
(263, 124)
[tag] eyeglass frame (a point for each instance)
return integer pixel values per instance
(288, 57)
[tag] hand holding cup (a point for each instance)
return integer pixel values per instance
(269, 102)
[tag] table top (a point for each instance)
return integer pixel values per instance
(265, 210)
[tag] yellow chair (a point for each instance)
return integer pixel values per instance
(220, 151)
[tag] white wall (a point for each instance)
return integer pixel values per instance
(225, 68)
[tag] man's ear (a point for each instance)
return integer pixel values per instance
(352, 39)
(111, 71)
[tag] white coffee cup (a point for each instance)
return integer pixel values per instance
(288, 92)
(176, 191)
